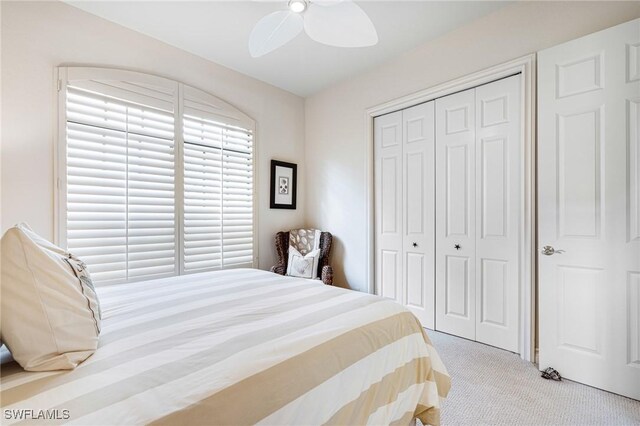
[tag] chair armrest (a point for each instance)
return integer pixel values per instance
(279, 269)
(327, 275)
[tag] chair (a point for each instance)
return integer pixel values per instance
(325, 272)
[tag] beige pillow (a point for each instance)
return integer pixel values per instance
(50, 311)
(303, 266)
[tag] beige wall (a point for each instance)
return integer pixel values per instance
(39, 36)
(335, 125)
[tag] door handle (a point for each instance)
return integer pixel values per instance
(415, 244)
(548, 251)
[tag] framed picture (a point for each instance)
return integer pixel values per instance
(284, 178)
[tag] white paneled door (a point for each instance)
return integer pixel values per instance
(419, 211)
(589, 211)
(478, 212)
(404, 182)
(388, 184)
(499, 162)
(455, 214)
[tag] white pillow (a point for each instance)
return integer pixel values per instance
(50, 311)
(303, 266)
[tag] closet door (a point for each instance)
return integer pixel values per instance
(455, 214)
(498, 212)
(419, 211)
(388, 140)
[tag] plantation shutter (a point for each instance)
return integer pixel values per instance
(202, 195)
(120, 186)
(218, 187)
(237, 196)
(155, 177)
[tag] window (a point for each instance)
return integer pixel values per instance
(155, 177)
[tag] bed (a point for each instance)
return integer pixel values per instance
(240, 347)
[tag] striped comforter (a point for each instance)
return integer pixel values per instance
(240, 347)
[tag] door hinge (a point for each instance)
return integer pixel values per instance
(59, 85)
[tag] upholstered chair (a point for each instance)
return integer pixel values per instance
(283, 239)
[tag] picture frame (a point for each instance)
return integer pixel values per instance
(284, 185)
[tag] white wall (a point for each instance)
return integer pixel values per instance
(335, 125)
(39, 36)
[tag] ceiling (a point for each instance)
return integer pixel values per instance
(219, 31)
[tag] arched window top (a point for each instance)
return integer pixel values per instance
(153, 90)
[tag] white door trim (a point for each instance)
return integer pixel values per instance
(526, 67)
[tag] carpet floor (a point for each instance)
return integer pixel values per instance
(495, 387)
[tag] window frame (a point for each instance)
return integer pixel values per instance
(232, 116)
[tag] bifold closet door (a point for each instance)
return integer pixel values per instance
(404, 212)
(419, 211)
(455, 214)
(388, 205)
(478, 187)
(498, 212)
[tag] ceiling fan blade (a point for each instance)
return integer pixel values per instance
(273, 31)
(327, 2)
(343, 24)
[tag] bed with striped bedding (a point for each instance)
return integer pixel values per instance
(241, 347)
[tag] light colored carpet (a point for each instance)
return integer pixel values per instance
(495, 387)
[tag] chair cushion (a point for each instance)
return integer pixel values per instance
(303, 266)
(304, 240)
(50, 311)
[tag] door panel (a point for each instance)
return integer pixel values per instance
(633, 107)
(579, 173)
(579, 327)
(415, 274)
(390, 175)
(419, 215)
(414, 170)
(390, 273)
(388, 198)
(455, 214)
(456, 284)
(498, 211)
(457, 186)
(633, 306)
(588, 206)
(494, 187)
(494, 285)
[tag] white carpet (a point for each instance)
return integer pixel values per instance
(495, 387)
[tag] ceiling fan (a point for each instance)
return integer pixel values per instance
(340, 23)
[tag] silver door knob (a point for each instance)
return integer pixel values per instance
(548, 251)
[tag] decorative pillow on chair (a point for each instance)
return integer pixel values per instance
(303, 266)
(50, 311)
(304, 240)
